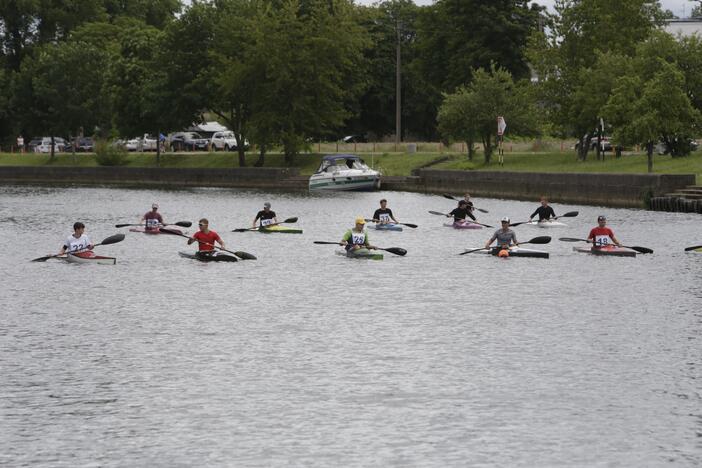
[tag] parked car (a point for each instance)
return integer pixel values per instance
(188, 141)
(82, 145)
(45, 145)
(33, 143)
(133, 144)
(225, 141)
(683, 146)
(149, 143)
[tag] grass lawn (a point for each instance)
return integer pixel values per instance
(393, 163)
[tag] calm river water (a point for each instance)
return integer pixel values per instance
(306, 358)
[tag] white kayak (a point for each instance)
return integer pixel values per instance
(546, 224)
(515, 252)
(89, 257)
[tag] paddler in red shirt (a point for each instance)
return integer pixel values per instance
(205, 237)
(153, 219)
(602, 236)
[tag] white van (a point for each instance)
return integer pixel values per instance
(224, 141)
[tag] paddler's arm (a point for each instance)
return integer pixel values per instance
(616, 241)
(490, 241)
(345, 239)
(220, 242)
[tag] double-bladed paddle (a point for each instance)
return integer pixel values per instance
(643, 250)
(694, 247)
(179, 223)
(288, 220)
(570, 214)
(448, 216)
(535, 240)
(393, 250)
(446, 195)
(241, 255)
(113, 239)
(402, 224)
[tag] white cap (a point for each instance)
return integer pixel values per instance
(505, 219)
(154, 205)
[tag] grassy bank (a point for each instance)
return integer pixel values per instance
(393, 163)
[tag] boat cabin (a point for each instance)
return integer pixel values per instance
(339, 162)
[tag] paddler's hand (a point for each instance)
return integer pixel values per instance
(343, 242)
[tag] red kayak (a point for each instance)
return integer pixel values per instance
(155, 231)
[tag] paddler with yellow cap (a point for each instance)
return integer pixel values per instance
(356, 238)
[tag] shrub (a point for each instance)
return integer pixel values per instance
(107, 154)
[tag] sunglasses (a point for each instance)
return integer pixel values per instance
(201, 224)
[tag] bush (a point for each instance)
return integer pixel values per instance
(110, 155)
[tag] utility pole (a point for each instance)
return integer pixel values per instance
(398, 90)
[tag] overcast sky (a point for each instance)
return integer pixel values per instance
(680, 8)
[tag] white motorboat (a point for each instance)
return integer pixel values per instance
(344, 172)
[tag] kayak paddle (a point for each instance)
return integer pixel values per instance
(643, 250)
(241, 255)
(179, 223)
(694, 247)
(446, 195)
(403, 224)
(535, 240)
(448, 216)
(570, 214)
(113, 239)
(393, 250)
(288, 220)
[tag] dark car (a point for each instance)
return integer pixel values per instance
(188, 141)
(677, 146)
(83, 145)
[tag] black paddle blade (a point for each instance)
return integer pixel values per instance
(540, 240)
(482, 210)
(643, 250)
(450, 197)
(571, 239)
(396, 250)
(43, 259)
(410, 225)
(437, 213)
(694, 247)
(570, 214)
(184, 223)
(245, 255)
(113, 239)
(125, 225)
(243, 229)
(291, 220)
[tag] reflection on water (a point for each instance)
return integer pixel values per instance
(305, 358)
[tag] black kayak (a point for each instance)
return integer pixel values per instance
(209, 256)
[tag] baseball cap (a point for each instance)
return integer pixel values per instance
(505, 220)
(266, 205)
(462, 202)
(360, 220)
(601, 218)
(154, 205)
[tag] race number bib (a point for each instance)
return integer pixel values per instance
(266, 222)
(358, 238)
(152, 223)
(602, 240)
(384, 218)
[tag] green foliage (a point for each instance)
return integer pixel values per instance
(107, 154)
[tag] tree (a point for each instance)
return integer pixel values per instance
(472, 112)
(647, 108)
(696, 11)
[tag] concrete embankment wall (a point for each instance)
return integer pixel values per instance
(625, 190)
(242, 177)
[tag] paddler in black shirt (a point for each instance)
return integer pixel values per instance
(460, 213)
(545, 212)
(267, 216)
(383, 215)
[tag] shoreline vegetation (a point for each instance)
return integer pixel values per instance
(390, 163)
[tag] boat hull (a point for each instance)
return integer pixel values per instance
(364, 254)
(514, 252)
(464, 225)
(546, 224)
(89, 257)
(207, 257)
(611, 250)
(388, 227)
(155, 231)
(280, 229)
(366, 183)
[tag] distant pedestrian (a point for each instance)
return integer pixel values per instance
(20, 144)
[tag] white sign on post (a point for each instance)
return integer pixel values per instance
(501, 125)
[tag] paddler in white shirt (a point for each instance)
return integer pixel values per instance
(78, 241)
(356, 238)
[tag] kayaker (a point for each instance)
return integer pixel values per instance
(545, 211)
(266, 215)
(470, 207)
(383, 215)
(602, 236)
(505, 236)
(78, 241)
(206, 235)
(356, 238)
(459, 214)
(153, 219)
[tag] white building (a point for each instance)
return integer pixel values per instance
(684, 27)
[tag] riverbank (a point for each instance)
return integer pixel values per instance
(392, 164)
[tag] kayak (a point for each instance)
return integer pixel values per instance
(546, 224)
(281, 229)
(519, 252)
(209, 256)
(155, 231)
(89, 257)
(463, 225)
(361, 253)
(388, 227)
(611, 250)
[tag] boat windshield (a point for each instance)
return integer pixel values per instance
(332, 165)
